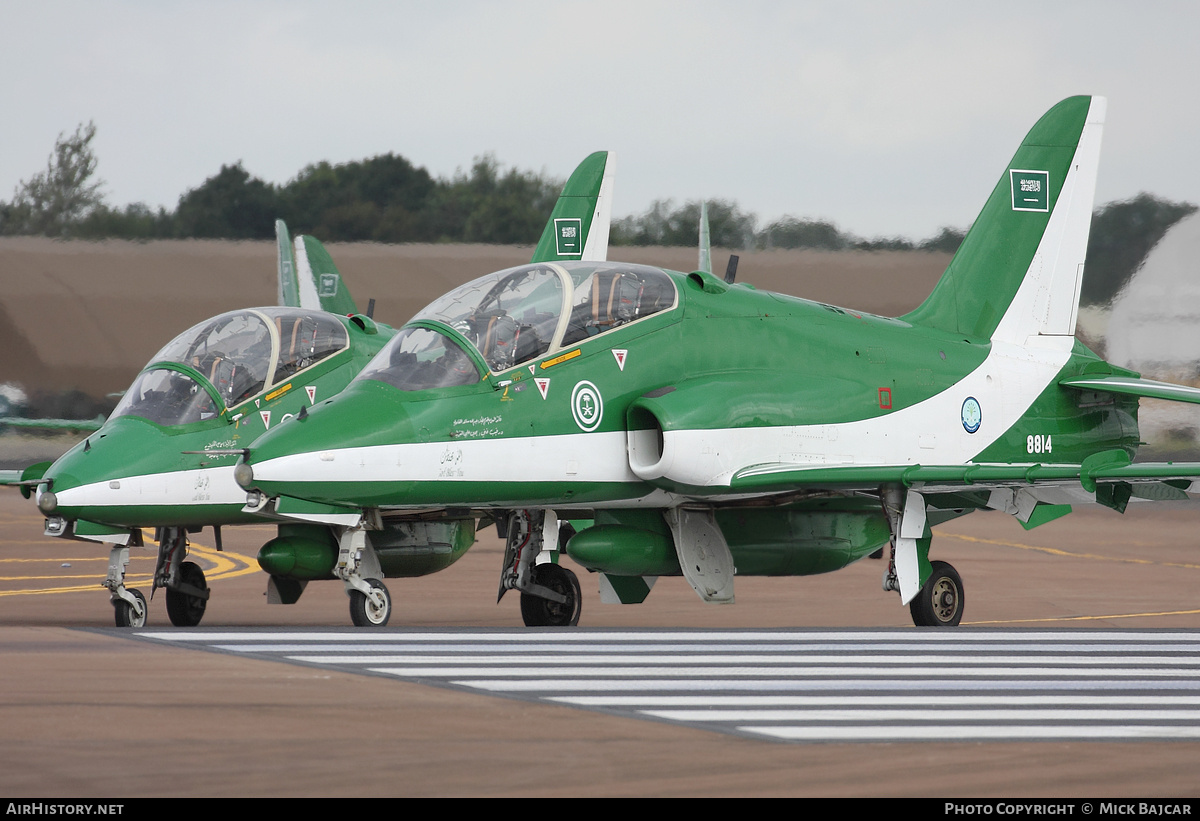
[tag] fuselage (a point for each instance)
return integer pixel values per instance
(676, 402)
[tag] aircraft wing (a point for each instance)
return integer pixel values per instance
(52, 424)
(578, 225)
(1113, 467)
(1034, 493)
(26, 479)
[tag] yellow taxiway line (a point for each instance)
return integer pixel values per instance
(216, 565)
(1052, 551)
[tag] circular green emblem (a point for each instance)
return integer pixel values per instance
(972, 414)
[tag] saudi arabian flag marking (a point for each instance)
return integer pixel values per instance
(568, 233)
(1030, 190)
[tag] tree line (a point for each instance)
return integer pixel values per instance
(388, 199)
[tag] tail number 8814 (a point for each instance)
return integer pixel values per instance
(1038, 443)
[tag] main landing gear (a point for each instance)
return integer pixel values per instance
(550, 594)
(187, 590)
(542, 612)
(940, 602)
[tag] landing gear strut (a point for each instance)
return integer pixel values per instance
(187, 590)
(358, 567)
(129, 606)
(550, 594)
(938, 602)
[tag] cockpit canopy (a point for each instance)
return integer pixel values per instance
(239, 354)
(517, 315)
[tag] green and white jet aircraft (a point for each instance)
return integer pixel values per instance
(166, 455)
(707, 429)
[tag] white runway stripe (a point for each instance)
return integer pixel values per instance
(742, 659)
(794, 686)
(927, 640)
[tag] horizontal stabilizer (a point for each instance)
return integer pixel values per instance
(1132, 386)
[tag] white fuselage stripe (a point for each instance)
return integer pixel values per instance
(200, 487)
(930, 432)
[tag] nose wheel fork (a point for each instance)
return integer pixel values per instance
(129, 606)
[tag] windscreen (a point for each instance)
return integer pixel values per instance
(510, 316)
(167, 397)
(418, 358)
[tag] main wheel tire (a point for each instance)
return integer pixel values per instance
(185, 609)
(539, 612)
(127, 615)
(365, 614)
(940, 602)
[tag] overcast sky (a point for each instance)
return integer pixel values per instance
(888, 118)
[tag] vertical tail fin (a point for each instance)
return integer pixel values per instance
(705, 261)
(1018, 272)
(578, 225)
(288, 290)
(320, 286)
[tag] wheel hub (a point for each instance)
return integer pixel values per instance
(945, 600)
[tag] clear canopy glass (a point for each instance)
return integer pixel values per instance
(240, 353)
(520, 314)
(167, 397)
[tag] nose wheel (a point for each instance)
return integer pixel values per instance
(130, 613)
(940, 602)
(371, 609)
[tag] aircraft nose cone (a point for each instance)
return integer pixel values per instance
(243, 474)
(47, 502)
